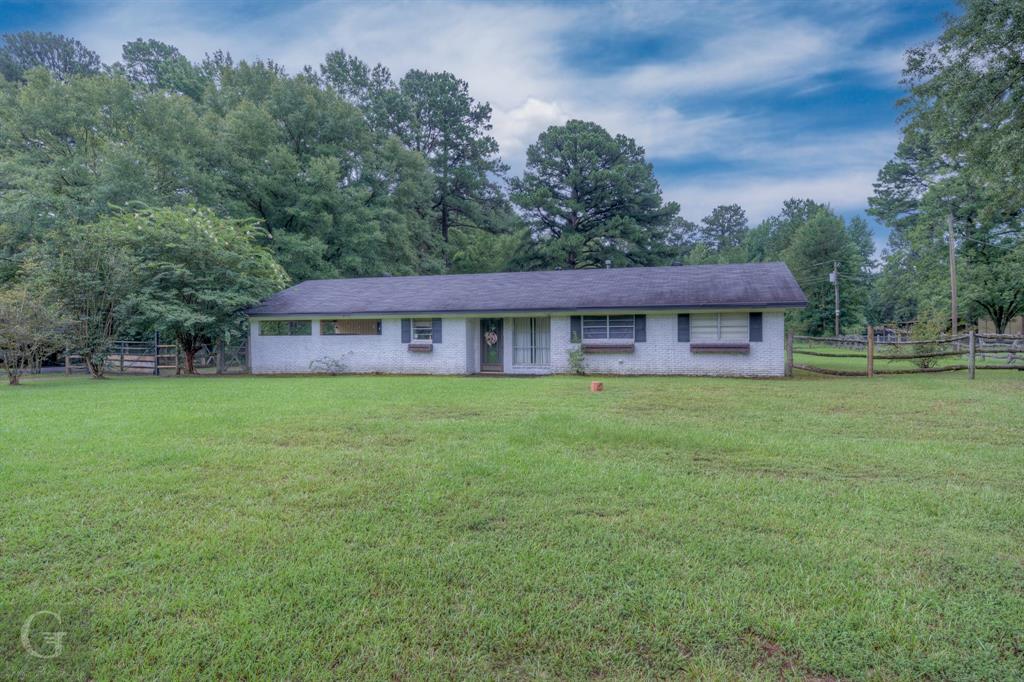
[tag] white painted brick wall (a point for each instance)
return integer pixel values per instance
(458, 353)
(360, 354)
(663, 354)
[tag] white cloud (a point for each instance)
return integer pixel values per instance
(516, 129)
(755, 59)
(762, 195)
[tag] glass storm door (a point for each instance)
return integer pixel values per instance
(490, 346)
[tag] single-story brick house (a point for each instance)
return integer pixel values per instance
(706, 319)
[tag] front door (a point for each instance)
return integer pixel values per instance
(490, 346)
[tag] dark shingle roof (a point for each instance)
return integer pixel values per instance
(750, 285)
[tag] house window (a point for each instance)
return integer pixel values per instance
(349, 327)
(286, 328)
(725, 327)
(422, 330)
(597, 327)
(531, 341)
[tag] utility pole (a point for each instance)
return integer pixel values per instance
(952, 274)
(834, 278)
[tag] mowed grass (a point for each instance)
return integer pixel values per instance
(428, 527)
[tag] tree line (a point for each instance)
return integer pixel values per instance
(344, 170)
(958, 175)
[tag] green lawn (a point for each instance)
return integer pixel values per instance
(417, 527)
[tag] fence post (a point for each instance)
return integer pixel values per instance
(121, 364)
(156, 354)
(67, 361)
(970, 354)
(871, 351)
(220, 356)
(789, 353)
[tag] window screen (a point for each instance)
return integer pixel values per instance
(423, 330)
(349, 327)
(598, 327)
(286, 328)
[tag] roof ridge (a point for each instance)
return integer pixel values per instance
(634, 268)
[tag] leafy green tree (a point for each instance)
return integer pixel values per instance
(863, 240)
(476, 251)
(817, 243)
(434, 114)
(683, 242)
(31, 327)
(63, 57)
(700, 254)
(197, 272)
(724, 229)
(161, 66)
(965, 91)
(588, 198)
(994, 282)
(372, 89)
(772, 236)
(68, 151)
(452, 131)
(336, 199)
(91, 273)
(959, 160)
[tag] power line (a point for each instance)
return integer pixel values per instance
(1008, 247)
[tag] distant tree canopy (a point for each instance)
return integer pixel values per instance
(345, 170)
(163, 67)
(63, 57)
(960, 158)
(724, 229)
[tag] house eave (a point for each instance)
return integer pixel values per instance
(533, 311)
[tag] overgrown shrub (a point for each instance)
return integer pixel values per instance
(925, 332)
(576, 361)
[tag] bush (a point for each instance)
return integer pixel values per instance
(924, 333)
(30, 328)
(327, 365)
(576, 361)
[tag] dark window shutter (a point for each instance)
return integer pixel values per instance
(755, 326)
(406, 330)
(575, 329)
(379, 327)
(435, 332)
(639, 328)
(683, 324)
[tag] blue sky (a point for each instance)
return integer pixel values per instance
(735, 102)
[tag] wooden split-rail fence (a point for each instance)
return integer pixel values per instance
(981, 351)
(157, 358)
